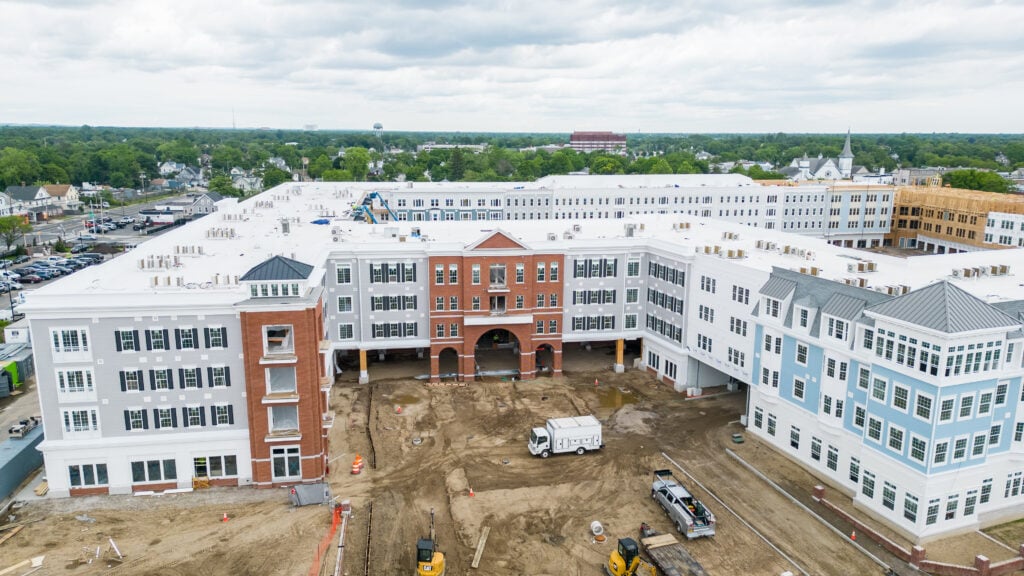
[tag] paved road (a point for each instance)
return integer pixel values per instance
(73, 227)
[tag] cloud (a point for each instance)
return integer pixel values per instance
(655, 65)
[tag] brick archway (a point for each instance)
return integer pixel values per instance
(521, 332)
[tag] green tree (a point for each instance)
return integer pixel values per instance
(12, 228)
(222, 185)
(456, 165)
(54, 174)
(659, 166)
(335, 175)
(976, 180)
(758, 173)
(18, 166)
(179, 150)
(319, 165)
(226, 157)
(357, 162)
(272, 176)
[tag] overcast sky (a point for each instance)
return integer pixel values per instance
(544, 66)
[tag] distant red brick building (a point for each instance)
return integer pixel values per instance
(592, 141)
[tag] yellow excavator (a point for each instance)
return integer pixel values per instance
(429, 562)
(626, 561)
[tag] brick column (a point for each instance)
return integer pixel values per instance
(468, 363)
(819, 493)
(917, 555)
(983, 565)
(556, 361)
(435, 367)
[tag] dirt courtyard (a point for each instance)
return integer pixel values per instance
(444, 441)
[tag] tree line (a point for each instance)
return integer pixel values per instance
(127, 157)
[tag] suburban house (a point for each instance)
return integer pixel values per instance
(33, 201)
(205, 203)
(190, 176)
(64, 195)
(5, 204)
(170, 168)
(247, 183)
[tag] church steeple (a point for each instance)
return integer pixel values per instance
(846, 153)
(846, 158)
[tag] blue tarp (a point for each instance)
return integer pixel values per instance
(321, 221)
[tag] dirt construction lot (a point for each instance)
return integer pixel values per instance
(444, 441)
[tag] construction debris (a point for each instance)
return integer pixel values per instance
(35, 562)
(480, 546)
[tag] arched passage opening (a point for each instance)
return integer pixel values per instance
(497, 353)
(448, 364)
(545, 359)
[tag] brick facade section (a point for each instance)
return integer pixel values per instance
(307, 331)
(464, 344)
(98, 491)
(157, 487)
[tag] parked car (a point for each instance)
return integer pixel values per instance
(32, 278)
(87, 238)
(21, 259)
(78, 248)
(92, 256)
(126, 220)
(9, 275)
(10, 285)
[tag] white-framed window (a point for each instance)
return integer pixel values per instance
(941, 452)
(863, 378)
(215, 466)
(798, 388)
(286, 462)
(156, 339)
(552, 326)
(966, 407)
(136, 419)
(878, 389)
(995, 433)
(438, 273)
(475, 274)
(984, 403)
(277, 339)
(69, 340)
(193, 416)
(772, 307)
(187, 338)
(959, 449)
(83, 475)
(946, 409)
(284, 418)
(281, 380)
(859, 414)
(553, 269)
(344, 274)
(978, 447)
(923, 406)
(740, 294)
(900, 397)
(520, 273)
(630, 321)
(896, 435)
(165, 418)
(476, 303)
(803, 317)
(918, 448)
(344, 303)
(439, 330)
(80, 421)
(345, 332)
(837, 328)
(131, 380)
(154, 470)
(632, 295)
(874, 429)
(633, 267)
(1003, 387)
(126, 340)
(216, 336)
(801, 354)
(77, 381)
(220, 376)
(191, 378)
(222, 415)
(161, 379)
(453, 302)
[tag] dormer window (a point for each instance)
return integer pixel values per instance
(772, 307)
(837, 328)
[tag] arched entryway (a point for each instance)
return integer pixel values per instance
(497, 353)
(545, 359)
(448, 364)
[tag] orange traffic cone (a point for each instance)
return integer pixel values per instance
(225, 518)
(398, 409)
(358, 461)
(853, 535)
(471, 494)
(595, 382)
(356, 468)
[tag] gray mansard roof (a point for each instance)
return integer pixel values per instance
(946, 308)
(278, 268)
(832, 298)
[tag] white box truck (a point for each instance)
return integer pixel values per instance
(573, 434)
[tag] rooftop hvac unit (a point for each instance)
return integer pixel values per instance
(718, 249)
(641, 226)
(851, 267)
(957, 273)
(730, 254)
(803, 270)
(575, 227)
(630, 230)
(862, 282)
(741, 253)
(552, 236)
(401, 238)
(567, 235)
(814, 270)
(968, 272)
(786, 249)
(771, 246)
(707, 249)
(760, 244)
(871, 266)
(1004, 269)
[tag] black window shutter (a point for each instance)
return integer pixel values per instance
(127, 420)
(152, 379)
(206, 336)
(167, 340)
(202, 417)
(124, 383)
(117, 339)
(224, 337)
(231, 414)
(145, 420)
(184, 417)
(213, 415)
(181, 377)
(177, 338)
(135, 338)
(156, 418)
(195, 338)
(149, 340)
(227, 376)
(170, 378)
(199, 377)
(209, 372)
(174, 419)
(138, 378)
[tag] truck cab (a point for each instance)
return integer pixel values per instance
(540, 442)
